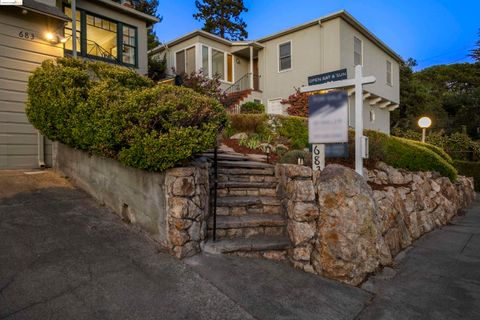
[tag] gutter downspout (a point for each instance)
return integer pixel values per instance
(74, 28)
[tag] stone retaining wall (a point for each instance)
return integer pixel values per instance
(171, 206)
(344, 227)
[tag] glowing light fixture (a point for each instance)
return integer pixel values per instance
(49, 36)
(424, 123)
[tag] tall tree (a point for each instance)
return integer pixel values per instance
(222, 17)
(475, 53)
(149, 7)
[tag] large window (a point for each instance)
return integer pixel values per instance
(100, 37)
(185, 61)
(389, 73)
(285, 56)
(218, 63)
(357, 51)
(205, 61)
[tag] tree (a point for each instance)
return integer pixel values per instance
(222, 17)
(475, 53)
(149, 7)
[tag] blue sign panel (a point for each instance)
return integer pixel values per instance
(336, 150)
(328, 77)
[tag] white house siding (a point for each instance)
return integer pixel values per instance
(18, 58)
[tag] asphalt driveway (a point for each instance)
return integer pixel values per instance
(64, 256)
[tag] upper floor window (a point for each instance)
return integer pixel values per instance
(285, 56)
(357, 51)
(185, 61)
(102, 38)
(389, 73)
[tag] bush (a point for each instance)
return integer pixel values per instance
(470, 169)
(295, 129)
(435, 149)
(291, 157)
(113, 112)
(249, 123)
(407, 154)
(252, 108)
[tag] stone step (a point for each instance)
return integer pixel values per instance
(247, 201)
(254, 192)
(248, 221)
(234, 157)
(245, 185)
(226, 177)
(266, 171)
(256, 243)
(244, 164)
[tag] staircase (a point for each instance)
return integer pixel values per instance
(235, 99)
(250, 218)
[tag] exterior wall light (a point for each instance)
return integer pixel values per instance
(424, 123)
(54, 38)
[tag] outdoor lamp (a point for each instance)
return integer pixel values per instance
(49, 36)
(424, 123)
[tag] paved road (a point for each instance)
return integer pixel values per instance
(63, 256)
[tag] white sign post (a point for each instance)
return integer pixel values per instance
(358, 82)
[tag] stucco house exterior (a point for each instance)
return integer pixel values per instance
(270, 68)
(41, 29)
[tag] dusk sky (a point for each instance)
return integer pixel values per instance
(430, 31)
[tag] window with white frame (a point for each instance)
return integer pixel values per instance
(185, 61)
(218, 63)
(389, 73)
(205, 61)
(285, 56)
(357, 51)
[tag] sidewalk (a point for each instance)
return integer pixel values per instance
(63, 256)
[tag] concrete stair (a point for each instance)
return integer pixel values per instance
(250, 218)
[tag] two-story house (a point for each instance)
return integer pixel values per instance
(37, 30)
(270, 68)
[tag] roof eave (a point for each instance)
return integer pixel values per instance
(131, 11)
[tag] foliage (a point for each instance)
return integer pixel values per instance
(449, 94)
(298, 104)
(222, 18)
(407, 154)
(470, 169)
(253, 142)
(295, 129)
(203, 84)
(113, 112)
(475, 53)
(157, 67)
(249, 123)
(149, 7)
(458, 145)
(252, 107)
(291, 157)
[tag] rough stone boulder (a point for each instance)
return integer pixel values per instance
(350, 244)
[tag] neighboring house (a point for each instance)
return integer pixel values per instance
(40, 30)
(269, 69)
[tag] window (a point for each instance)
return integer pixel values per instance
(229, 68)
(205, 60)
(218, 63)
(180, 62)
(389, 73)
(372, 115)
(100, 38)
(68, 30)
(357, 51)
(129, 48)
(285, 56)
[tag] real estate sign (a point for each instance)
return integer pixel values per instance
(327, 77)
(328, 118)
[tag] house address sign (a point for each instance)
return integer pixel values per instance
(328, 77)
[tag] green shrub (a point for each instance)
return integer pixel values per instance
(435, 149)
(113, 112)
(291, 157)
(249, 123)
(470, 169)
(294, 129)
(252, 108)
(407, 154)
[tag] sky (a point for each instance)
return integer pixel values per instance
(430, 31)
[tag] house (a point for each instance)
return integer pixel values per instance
(41, 29)
(270, 68)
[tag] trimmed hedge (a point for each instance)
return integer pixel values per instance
(407, 154)
(252, 108)
(249, 123)
(469, 169)
(113, 112)
(294, 129)
(435, 149)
